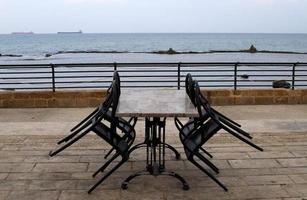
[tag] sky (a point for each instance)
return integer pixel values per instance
(154, 16)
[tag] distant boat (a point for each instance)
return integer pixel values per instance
(77, 32)
(22, 33)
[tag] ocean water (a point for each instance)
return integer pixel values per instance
(34, 47)
(40, 44)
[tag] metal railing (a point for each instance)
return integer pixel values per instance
(99, 75)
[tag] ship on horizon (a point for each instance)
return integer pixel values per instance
(72, 32)
(22, 33)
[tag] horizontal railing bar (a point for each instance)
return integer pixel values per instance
(27, 88)
(25, 73)
(123, 76)
(162, 63)
(17, 78)
(32, 83)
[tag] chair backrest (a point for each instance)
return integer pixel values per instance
(115, 97)
(116, 78)
(189, 87)
(202, 104)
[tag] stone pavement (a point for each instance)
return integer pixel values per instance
(26, 171)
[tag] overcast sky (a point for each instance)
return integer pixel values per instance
(129, 16)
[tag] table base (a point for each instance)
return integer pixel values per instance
(155, 152)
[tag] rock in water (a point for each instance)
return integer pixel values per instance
(171, 51)
(253, 49)
(281, 84)
(245, 76)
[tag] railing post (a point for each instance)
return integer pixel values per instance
(179, 74)
(293, 75)
(235, 76)
(53, 77)
(115, 66)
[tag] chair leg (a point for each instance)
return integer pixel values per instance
(207, 162)
(84, 120)
(208, 174)
(53, 153)
(73, 134)
(242, 139)
(103, 167)
(244, 133)
(206, 152)
(223, 116)
(107, 175)
(109, 153)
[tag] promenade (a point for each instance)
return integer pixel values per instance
(278, 173)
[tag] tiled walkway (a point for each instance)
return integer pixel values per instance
(26, 171)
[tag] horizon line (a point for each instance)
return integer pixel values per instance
(163, 33)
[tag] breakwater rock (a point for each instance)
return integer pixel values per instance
(9, 55)
(281, 84)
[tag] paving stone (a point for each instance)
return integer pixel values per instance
(95, 166)
(258, 192)
(4, 194)
(302, 178)
(110, 183)
(204, 181)
(139, 195)
(48, 159)
(267, 180)
(10, 159)
(297, 190)
(39, 176)
(270, 154)
(33, 195)
(293, 162)
(286, 170)
(224, 156)
(256, 163)
(3, 176)
(14, 185)
(300, 153)
(52, 185)
(24, 153)
(81, 175)
(16, 167)
(96, 195)
(60, 167)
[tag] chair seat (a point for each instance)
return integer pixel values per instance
(123, 125)
(200, 136)
(113, 139)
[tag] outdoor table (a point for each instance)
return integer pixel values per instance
(155, 105)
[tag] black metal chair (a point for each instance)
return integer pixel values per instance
(87, 121)
(190, 89)
(193, 138)
(197, 132)
(107, 130)
(120, 143)
(205, 112)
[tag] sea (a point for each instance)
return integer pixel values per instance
(138, 47)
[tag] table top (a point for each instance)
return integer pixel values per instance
(155, 103)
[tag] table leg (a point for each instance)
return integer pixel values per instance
(155, 152)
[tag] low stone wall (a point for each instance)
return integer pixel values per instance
(91, 98)
(256, 96)
(46, 99)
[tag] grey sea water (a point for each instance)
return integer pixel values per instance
(39, 44)
(34, 47)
